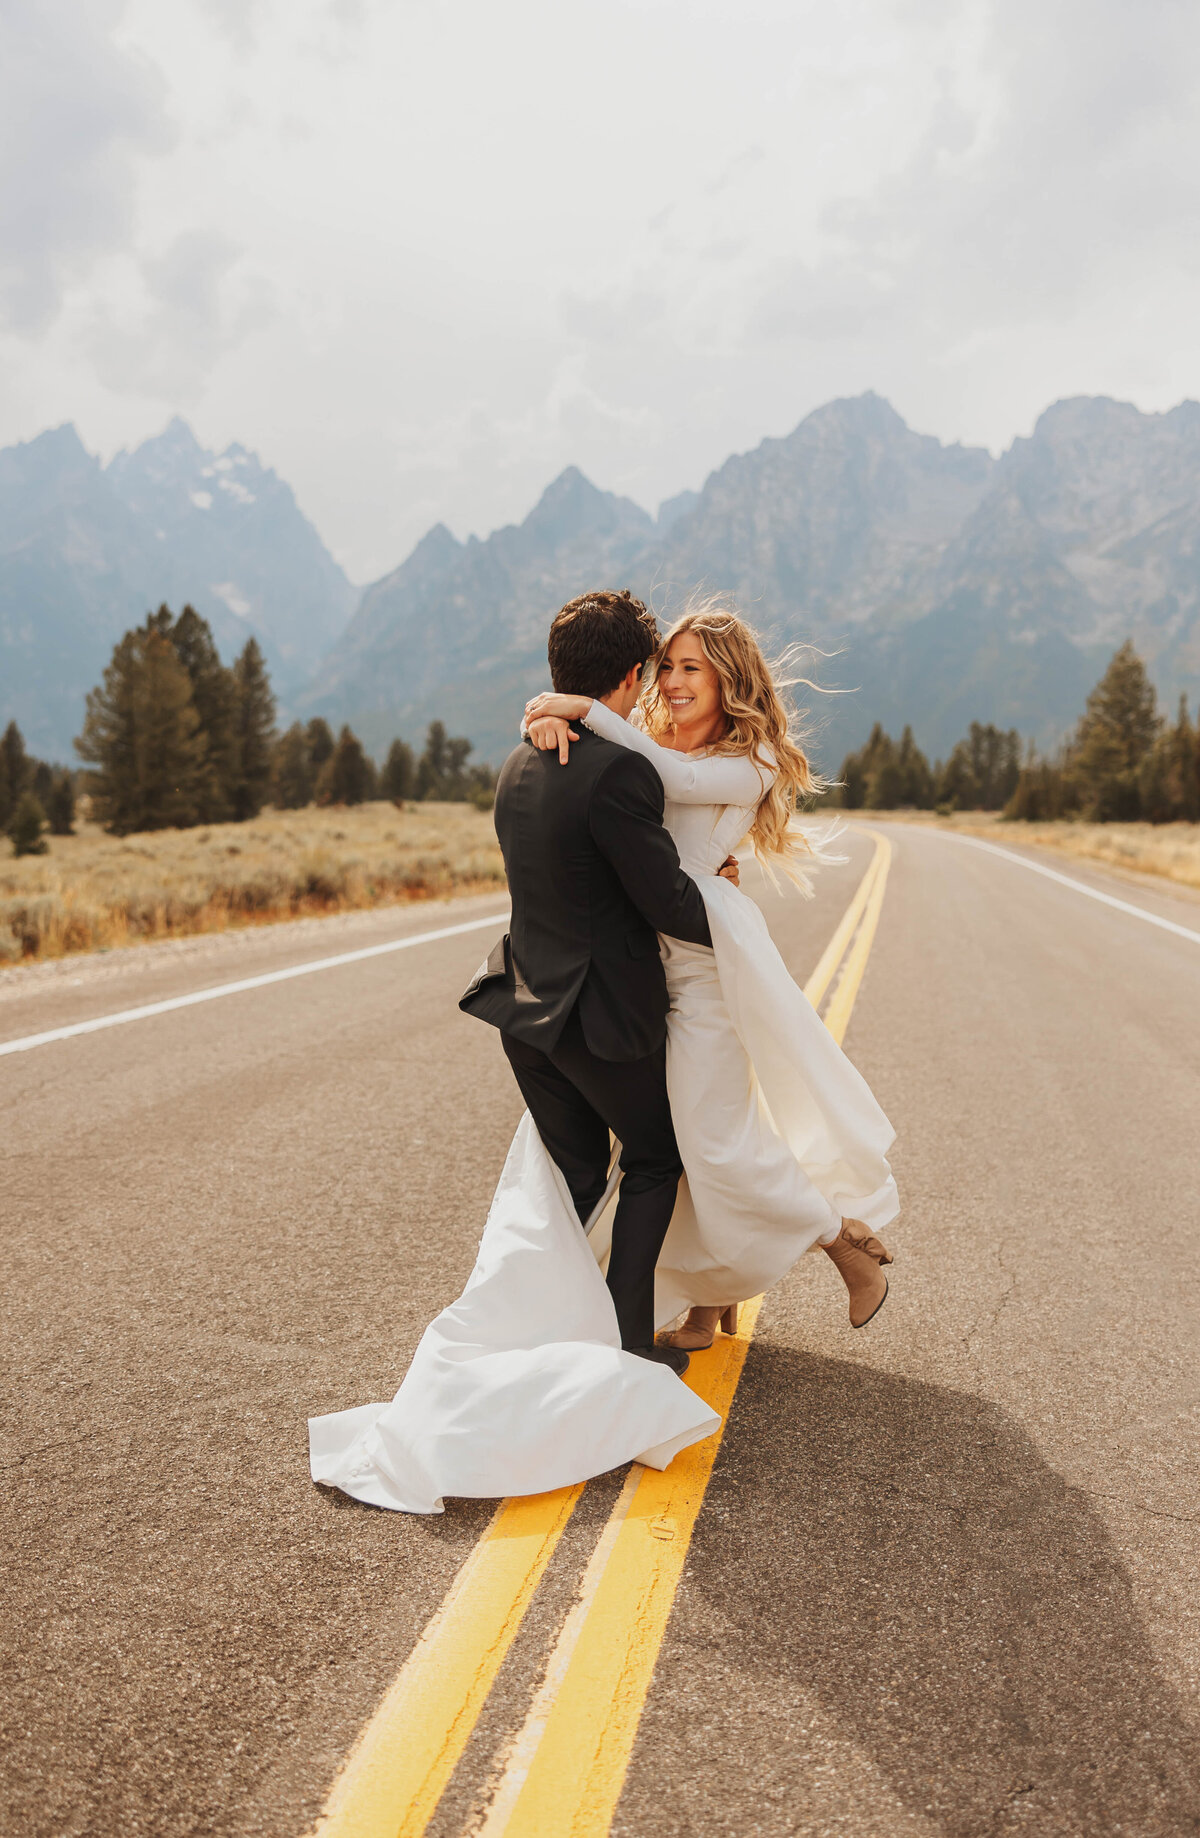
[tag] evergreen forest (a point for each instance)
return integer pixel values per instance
(1123, 763)
(172, 737)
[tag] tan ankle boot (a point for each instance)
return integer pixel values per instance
(858, 1255)
(700, 1329)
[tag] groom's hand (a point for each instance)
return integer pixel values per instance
(550, 731)
(729, 870)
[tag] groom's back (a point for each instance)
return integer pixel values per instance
(576, 934)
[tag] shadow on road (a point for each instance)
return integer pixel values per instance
(900, 1557)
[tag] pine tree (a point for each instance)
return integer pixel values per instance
(346, 776)
(915, 787)
(1113, 739)
(871, 773)
(398, 777)
(291, 771)
(41, 781)
(884, 781)
(14, 771)
(442, 770)
(1183, 767)
(320, 743)
(1009, 772)
(61, 807)
(957, 788)
(1155, 804)
(214, 695)
(431, 767)
(254, 733)
(109, 743)
(141, 735)
(26, 825)
(852, 783)
(1042, 791)
(170, 742)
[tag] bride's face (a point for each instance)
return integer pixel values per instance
(692, 690)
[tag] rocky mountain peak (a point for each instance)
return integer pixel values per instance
(438, 551)
(47, 457)
(672, 509)
(86, 551)
(866, 414)
(572, 507)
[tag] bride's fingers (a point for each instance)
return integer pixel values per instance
(565, 736)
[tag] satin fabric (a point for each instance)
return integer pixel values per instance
(521, 1385)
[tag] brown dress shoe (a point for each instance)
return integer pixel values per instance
(858, 1255)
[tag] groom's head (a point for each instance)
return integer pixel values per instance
(599, 645)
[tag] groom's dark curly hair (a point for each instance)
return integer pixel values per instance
(597, 640)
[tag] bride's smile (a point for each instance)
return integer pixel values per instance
(691, 689)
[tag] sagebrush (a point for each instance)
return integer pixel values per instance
(92, 891)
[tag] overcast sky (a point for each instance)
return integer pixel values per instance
(422, 254)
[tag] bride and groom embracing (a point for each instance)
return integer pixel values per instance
(640, 998)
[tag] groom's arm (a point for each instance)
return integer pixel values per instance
(627, 828)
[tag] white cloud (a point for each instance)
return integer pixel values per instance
(422, 257)
(77, 113)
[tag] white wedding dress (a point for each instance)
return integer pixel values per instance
(521, 1385)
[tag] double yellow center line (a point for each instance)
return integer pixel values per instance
(563, 1773)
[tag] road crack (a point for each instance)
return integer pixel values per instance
(1153, 1512)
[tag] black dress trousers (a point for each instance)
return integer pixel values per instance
(575, 1099)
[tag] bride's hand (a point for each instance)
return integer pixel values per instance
(729, 870)
(567, 708)
(550, 731)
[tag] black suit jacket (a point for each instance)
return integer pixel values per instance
(594, 877)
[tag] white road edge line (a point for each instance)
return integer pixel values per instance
(249, 982)
(1093, 893)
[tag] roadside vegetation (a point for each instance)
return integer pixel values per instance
(1123, 790)
(92, 891)
(1124, 764)
(192, 813)
(173, 738)
(1169, 850)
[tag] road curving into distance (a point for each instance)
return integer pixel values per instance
(937, 1576)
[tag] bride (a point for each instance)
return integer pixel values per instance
(522, 1384)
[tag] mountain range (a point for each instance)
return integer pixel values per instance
(941, 584)
(87, 550)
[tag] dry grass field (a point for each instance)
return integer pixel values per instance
(1171, 850)
(93, 891)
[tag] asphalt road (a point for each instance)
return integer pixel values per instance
(944, 1579)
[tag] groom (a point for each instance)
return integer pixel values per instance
(577, 986)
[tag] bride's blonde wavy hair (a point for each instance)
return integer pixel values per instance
(758, 724)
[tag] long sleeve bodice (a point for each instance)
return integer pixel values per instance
(710, 799)
(722, 778)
